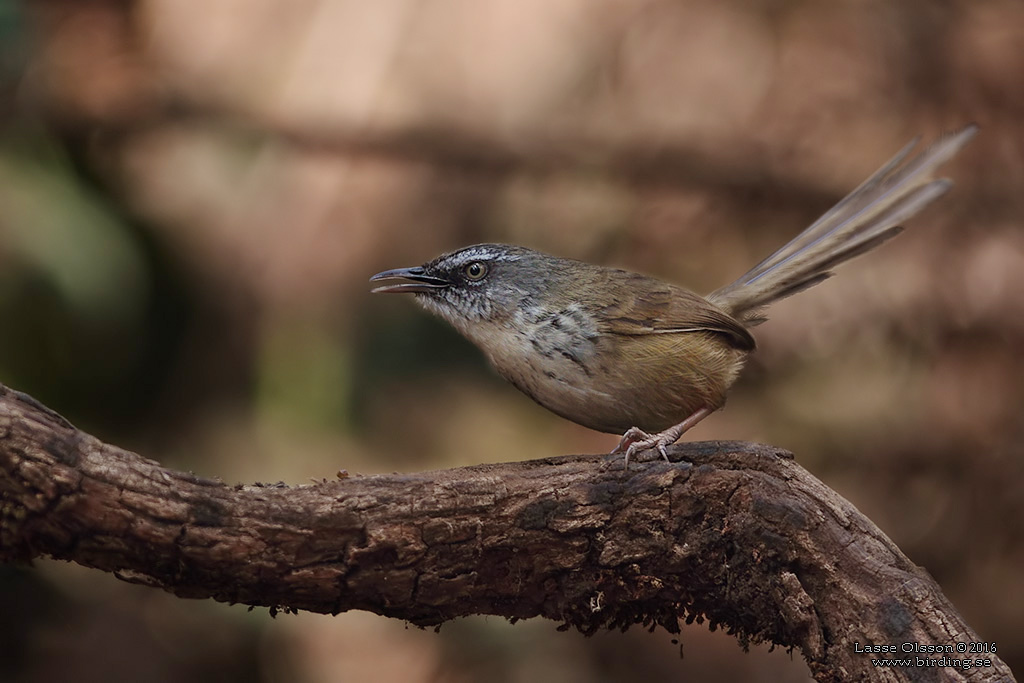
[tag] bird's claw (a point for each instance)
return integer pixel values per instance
(636, 440)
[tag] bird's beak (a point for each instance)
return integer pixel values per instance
(421, 282)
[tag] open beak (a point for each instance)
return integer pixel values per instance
(421, 282)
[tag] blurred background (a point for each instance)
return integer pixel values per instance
(193, 195)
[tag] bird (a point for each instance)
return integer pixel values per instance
(625, 353)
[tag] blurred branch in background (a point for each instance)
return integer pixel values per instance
(739, 535)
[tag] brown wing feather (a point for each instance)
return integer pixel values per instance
(650, 306)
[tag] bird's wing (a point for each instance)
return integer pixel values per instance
(649, 306)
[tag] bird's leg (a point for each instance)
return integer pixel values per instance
(636, 440)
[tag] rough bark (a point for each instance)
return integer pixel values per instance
(734, 533)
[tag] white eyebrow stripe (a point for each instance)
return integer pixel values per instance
(483, 253)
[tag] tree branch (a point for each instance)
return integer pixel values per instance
(632, 162)
(735, 533)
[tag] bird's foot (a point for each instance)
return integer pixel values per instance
(636, 440)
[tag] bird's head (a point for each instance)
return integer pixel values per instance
(478, 284)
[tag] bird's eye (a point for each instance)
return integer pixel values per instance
(475, 271)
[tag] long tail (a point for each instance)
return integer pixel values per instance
(865, 218)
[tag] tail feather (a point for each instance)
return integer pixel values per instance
(865, 218)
